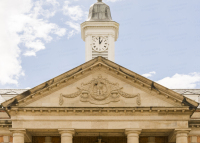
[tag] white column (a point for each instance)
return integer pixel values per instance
(111, 48)
(182, 136)
(18, 135)
(193, 139)
(133, 135)
(66, 135)
(151, 140)
(88, 48)
(6, 139)
(47, 140)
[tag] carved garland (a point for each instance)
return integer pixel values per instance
(99, 91)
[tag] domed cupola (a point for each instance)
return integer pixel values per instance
(99, 12)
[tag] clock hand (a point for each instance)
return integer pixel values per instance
(99, 41)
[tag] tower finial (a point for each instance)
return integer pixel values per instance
(99, 0)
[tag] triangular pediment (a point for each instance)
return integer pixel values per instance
(100, 83)
(100, 89)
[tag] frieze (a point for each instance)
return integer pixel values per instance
(99, 91)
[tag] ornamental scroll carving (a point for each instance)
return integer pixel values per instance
(99, 91)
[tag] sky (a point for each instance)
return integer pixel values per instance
(41, 39)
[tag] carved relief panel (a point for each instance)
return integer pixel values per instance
(99, 91)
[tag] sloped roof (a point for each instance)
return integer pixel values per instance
(99, 62)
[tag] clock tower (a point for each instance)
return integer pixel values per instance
(100, 32)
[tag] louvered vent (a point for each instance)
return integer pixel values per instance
(96, 54)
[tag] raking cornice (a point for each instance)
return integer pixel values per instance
(85, 69)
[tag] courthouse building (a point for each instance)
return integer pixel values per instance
(100, 101)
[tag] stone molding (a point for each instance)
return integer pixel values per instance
(111, 24)
(108, 110)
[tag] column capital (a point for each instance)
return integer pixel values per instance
(70, 131)
(182, 135)
(23, 131)
(178, 131)
(135, 131)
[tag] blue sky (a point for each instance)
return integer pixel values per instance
(41, 39)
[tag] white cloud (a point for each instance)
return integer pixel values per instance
(150, 74)
(74, 25)
(24, 22)
(181, 81)
(74, 12)
(76, 15)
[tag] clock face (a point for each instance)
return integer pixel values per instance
(100, 43)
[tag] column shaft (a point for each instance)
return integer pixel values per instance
(182, 137)
(66, 135)
(133, 135)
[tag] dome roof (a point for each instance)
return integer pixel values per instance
(99, 12)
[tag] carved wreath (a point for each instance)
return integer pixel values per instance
(99, 91)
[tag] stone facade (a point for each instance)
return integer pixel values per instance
(101, 98)
(99, 101)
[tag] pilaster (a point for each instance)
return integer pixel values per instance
(6, 139)
(194, 139)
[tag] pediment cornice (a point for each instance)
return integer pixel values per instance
(103, 110)
(87, 68)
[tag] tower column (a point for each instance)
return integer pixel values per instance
(111, 48)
